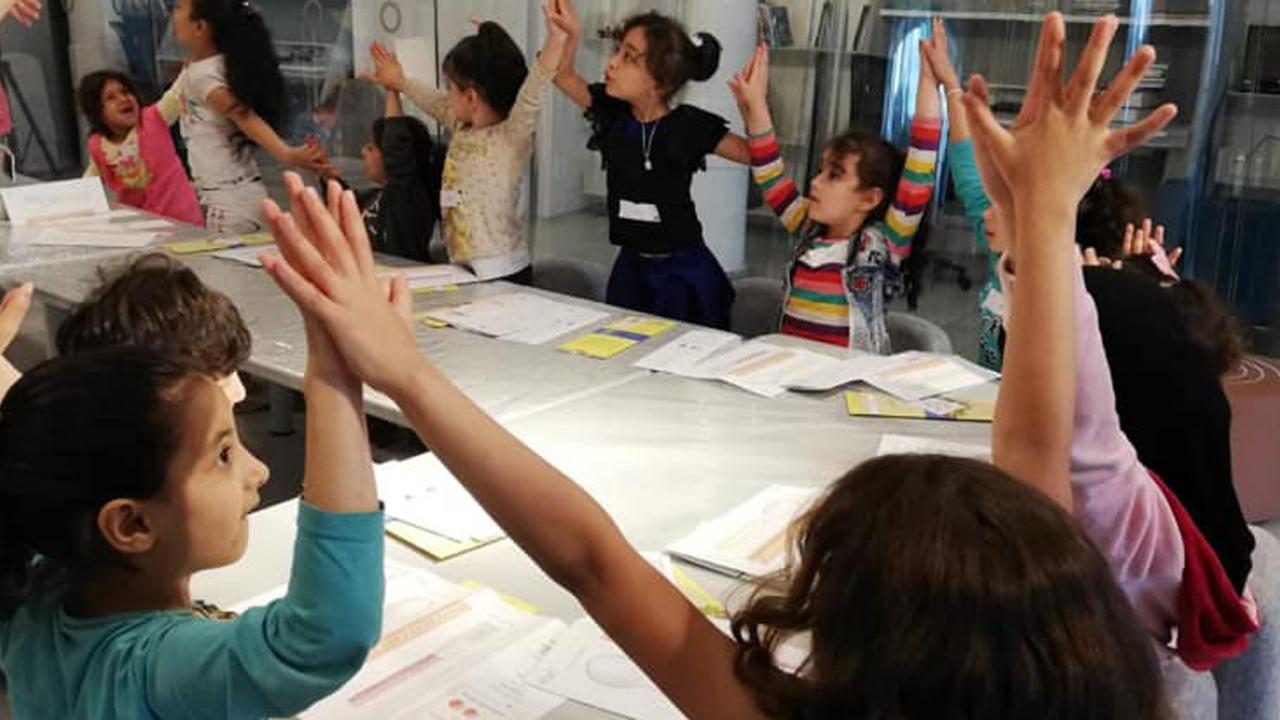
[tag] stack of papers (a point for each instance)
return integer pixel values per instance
(909, 445)
(915, 375)
(75, 212)
(423, 277)
(430, 510)
(447, 652)
(617, 337)
(519, 317)
(752, 539)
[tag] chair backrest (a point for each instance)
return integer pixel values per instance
(567, 276)
(757, 306)
(1249, 685)
(912, 332)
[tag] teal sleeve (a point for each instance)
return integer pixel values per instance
(277, 660)
(968, 183)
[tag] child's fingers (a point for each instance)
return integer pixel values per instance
(298, 250)
(309, 298)
(328, 237)
(1129, 230)
(1175, 256)
(1046, 73)
(402, 301)
(1122, 85)
(1125, 139)
(1079, 91)
(983, 123)
(1158, 235)
(295, 188)
(356, 235)
(1090, 257)
(12, 311)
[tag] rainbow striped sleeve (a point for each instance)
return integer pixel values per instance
(915, 188)
(770, 175)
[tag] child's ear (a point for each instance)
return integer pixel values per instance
(869, 200)
(125, 526)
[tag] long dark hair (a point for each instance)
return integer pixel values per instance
(253, 72)
(1103, 213)
(673, 57)
(426, 154)
(492, 63)
(940, 587)
(76, 432)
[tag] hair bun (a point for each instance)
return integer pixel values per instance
(706, 56)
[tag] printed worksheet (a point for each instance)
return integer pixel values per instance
(751, 540)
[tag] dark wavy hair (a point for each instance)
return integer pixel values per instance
(75, 433)
(1208, 321)
(1102, 215)
(253, 72)
(89, 96)
(937, 587)
(157, 302)
(492, 63)
(672, 56)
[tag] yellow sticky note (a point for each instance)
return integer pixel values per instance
(645, 326)
(442, 288)
(430, 544)
(254, 239)
(431, 322)
(874, 404)
(191, 247)
(596, 345)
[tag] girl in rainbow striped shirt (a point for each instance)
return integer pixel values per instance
(856, 226)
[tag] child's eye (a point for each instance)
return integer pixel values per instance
(224, 456)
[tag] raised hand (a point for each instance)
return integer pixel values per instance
(327, 269)
(936, 52)
(387, 70)
(26, 12)
(565, 17)
(750, 87)
(13, 309)
(1148, 239)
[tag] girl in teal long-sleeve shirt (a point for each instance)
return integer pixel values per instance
(122, 476)
(977, 206)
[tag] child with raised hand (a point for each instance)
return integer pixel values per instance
(233, 98)
(972, 591)
(131, 149)
(490, 106)
(123, 476)
(650, 152)
(856, 227)
(968, 185)
(1057, 427)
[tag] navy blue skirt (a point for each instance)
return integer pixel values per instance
(687, 285)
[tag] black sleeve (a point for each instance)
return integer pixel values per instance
(703, 130)
(602, 113)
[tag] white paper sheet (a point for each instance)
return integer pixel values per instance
(769, 370)
(682, 355)
(422, 492)
(520, 317)
(447, 653)
(910, 444)
(83, 237)
(420, 277)
(751, 539)
(915, 375)
(111, 216)
(247, 255)
(82, 197)
(586, 666)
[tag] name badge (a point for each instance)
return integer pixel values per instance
(640, 212)
(994, 303)
(450, 198)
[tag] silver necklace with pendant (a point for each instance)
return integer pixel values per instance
(646, 142)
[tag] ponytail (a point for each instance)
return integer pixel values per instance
(253, 72)
(492, 63)
(673, 58)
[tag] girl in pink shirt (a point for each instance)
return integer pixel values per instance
(131, 149)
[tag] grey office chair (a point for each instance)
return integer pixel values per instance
(912, 332)
(757, 306)
(567, 276)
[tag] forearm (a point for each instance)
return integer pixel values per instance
(565, 532)
(554, 50)
(339, 468)
(257, 129)
(770, 175)
(915, 188)
(394, 107)
(957, 118)
(1032, 435)
(567, 77)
